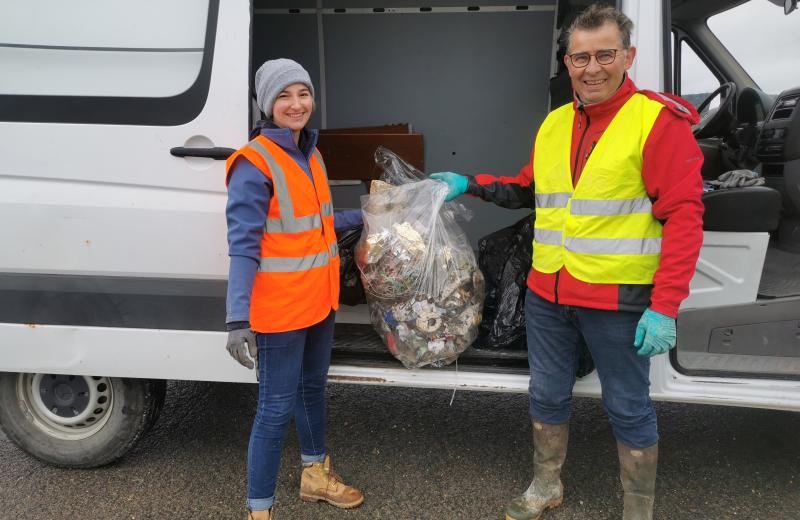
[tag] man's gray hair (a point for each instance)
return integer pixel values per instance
(596, 16)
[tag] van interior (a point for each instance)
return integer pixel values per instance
(386, 64)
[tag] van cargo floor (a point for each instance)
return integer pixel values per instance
(781, 275)
(359, 345)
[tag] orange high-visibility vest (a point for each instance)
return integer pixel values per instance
(297, 283)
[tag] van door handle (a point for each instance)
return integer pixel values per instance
(218, 152)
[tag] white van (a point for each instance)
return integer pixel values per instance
(116, 118)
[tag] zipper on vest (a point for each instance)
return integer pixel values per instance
(580, 142)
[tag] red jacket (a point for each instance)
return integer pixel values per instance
(671, 173)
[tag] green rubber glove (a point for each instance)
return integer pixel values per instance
(655, 333)
(456, 184)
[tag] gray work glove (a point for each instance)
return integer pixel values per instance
(242, 341)
(738, 179)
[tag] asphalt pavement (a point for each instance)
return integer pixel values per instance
(415, 456)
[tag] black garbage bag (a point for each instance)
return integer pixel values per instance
(505, 260)
(351, 291)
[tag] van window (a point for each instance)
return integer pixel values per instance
(764, 42)
(697, 81)
(117, 62)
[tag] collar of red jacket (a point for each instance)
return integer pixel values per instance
(610, 105)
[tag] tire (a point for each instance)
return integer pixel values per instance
(77, 421)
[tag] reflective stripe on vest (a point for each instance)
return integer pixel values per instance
(303, 263)
(611, 207)
(547, 236)
(602, 229)
(288, 223)
(599, 246)
(614, 246)
(552, 200)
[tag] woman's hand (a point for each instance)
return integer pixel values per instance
(242, 342)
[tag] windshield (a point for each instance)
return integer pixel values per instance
(764, 41)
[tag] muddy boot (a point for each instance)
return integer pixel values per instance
(637, 471)
(320, 482)
(546, 490)
(259, 515)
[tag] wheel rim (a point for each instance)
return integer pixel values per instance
(65, 406)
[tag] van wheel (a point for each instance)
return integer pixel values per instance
(77, 421)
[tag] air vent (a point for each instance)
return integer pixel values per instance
(770, 152)
(785, 107)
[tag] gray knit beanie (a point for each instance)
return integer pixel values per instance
(273, 77)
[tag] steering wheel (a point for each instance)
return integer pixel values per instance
(717, 122)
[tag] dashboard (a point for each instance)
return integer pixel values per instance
(779, 138)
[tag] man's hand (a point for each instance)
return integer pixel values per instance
(241, 342)
(456, 184)
(655, 333)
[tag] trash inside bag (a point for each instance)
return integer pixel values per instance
(505, 260)
(351, 291)
(423, 286)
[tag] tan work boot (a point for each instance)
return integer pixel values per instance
(546, 490)
(637, 471)
(259, 515)
(320, 482)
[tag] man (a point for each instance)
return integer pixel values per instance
(616, 184)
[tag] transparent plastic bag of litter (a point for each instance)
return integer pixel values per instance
(423, 286)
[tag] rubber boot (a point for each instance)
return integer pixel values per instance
(637, 471)
(320, 482)
(259, 515)
(546, 490)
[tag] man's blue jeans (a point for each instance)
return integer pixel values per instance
(555, 333)
(293, 372)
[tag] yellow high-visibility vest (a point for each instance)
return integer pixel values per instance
(603, 229)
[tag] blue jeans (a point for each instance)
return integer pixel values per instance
(293, 372)
(555, 333)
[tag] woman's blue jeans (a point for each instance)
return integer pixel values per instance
(555, 333)
(293, 372)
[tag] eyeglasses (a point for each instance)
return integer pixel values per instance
(603, 57)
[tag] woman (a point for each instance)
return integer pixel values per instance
(283, 287)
